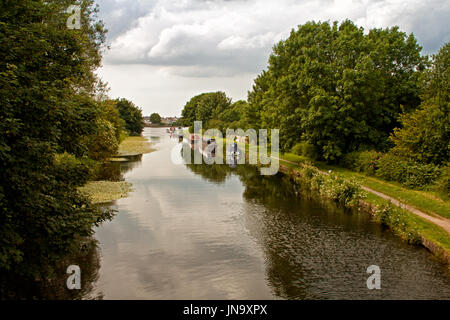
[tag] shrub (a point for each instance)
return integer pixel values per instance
(396, 219)
(333, 187)
(407, 172)
(308, 171)
(72, 170)
(421, 175)
(103, 144)
(363, 161)
(297, 149)
(305, 149)
(347, 192)
(442, 185)
(350, 160)
(391, 168)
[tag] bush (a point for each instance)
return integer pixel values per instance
(396, 219)
(103, 144)
(347, 192)
(305, 149)
(72, 170)
(407, 172)
(442, 185)
(333, 187)
(363, 161)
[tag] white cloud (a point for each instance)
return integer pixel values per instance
(194, 39)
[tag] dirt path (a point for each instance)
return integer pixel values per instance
(442, 222)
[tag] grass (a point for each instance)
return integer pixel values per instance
(293, 158)
(133, 146)
(106, 191)
(425, 201)
(426, 229)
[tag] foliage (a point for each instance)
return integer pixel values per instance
(110, 113)
(436, 80)
(362, 161)
(424, 136)
(442, 185)
(103, 143)
(409, 173)
(74, 171)
(155, 118)
(345, 191)
(47, 87)
(337, 87)
(132, 115)
(395, 218)
(204, 107)
(425, 132)
(305, 149)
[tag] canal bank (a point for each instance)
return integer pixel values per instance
(415, 227)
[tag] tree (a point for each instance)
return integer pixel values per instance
(205, 107)
(132, 115)
(424, 134)
(155, 118)
(337, 88)
(46, 75)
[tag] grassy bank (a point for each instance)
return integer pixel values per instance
(407, 225)
(425, 201)
(431, 236)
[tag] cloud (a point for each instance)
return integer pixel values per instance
(193, 40)
(238, 35)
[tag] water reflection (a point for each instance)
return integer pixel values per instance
(221, 232)
(217, 232)
(50, 284)
(315, 250)
(115, 170)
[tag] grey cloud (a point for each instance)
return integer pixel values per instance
(432, 29)
(197, 38)
(121, 15)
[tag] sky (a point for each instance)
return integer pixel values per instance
(162, 53)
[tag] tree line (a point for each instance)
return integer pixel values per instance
(56, 124)
(341, 95)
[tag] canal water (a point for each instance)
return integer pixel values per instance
(216, 232)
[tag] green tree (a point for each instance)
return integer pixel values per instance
(132, 115)
(424, 135)
(205, 107)
(155, 118)
(46, 75)
(338, 88)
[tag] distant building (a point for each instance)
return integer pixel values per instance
(169, 120)
(164, 120)
(147, 121)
